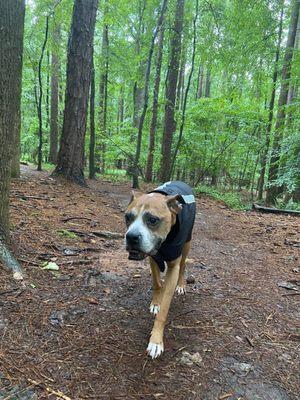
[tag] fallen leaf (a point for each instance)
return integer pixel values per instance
(51, 266)
(92, 300)
(225, 396)
(106, 290)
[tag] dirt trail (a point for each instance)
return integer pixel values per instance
(83, 329)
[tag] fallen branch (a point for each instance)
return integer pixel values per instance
(10, 263)
(25, 197)
(108, 235)
(57, 393)
(71, 218)
(274, 210)
(104, 234)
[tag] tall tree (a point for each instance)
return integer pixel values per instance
(92, 171)
(187, 87)
(199, 82)
(40, 96)
(11, 53)
(207, 82)
(169, 122)
(70, 162)
(55, 69)
(146, 97)
(273, 189)
(265, 150)
(103, 86)
(153, 123)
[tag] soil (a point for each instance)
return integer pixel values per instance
(82, 331)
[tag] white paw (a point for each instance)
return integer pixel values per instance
(180, 290)
(154, 350)
(154, 309)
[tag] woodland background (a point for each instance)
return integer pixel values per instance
(230, 61)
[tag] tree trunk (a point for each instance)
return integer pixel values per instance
(15, 163)
(55, 68)
(40, 98)
(153, 123)
(71, 153)
(199, 82)
(180, 85)
(170, 123)
(11, 52)
(92, 124)
(120, 117)
(103, 93)
(138, 88)
(135, 183)
(207, 82)
(273, 190)
(261, 182)
(47, 90)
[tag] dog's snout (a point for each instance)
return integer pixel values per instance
(133, 238)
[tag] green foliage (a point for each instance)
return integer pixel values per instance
(66, 234)
(224, 135)
(231, 199)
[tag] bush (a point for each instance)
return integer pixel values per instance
(231, 199)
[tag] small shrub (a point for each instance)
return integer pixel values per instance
(231, 199)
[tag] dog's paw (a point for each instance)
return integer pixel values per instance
(154, 350)
(154, 308)
(180, 290)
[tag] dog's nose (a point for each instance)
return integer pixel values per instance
(133, 238)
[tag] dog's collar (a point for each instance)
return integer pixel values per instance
(169, 189)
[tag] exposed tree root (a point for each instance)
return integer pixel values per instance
(10, 262)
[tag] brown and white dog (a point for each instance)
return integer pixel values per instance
(160, 226)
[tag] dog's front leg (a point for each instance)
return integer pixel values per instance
(156, 287)
(156, 346)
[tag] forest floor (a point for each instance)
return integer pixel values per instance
(82, 331)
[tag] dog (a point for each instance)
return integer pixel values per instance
(159, 226)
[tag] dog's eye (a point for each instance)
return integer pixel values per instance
(153, 221)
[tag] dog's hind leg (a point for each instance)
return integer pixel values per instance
(156, 287)
(156, 345)
(180, 289)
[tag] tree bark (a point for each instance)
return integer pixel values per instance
(180, 84)
(261, 182)
(120, 117)
(71, 153)
(135, 183)
(92, 171)
(138, 87)
(40, 97)
(273, 190)
(55, 68)
(11, 52)
(15, 162)
(153, 123)
(103, 93)
(169, 122)
(199, 83)
(207, 82)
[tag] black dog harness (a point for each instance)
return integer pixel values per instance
(181, 231)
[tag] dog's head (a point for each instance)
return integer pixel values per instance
(149, 219)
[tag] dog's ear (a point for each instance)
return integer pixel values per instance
(173, 203)
(134, 196)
